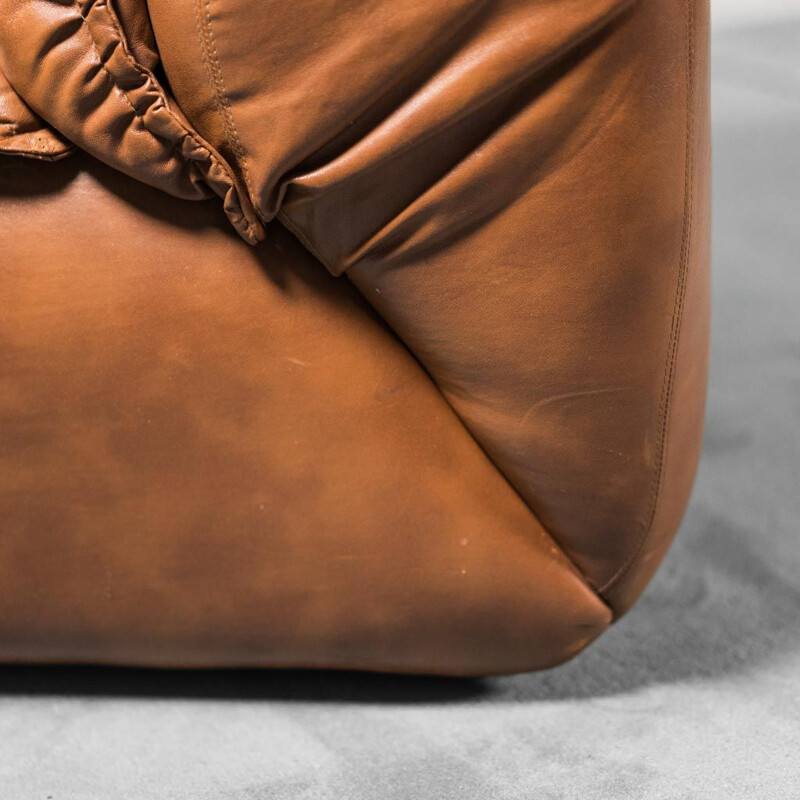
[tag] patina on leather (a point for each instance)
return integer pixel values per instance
(442, 414)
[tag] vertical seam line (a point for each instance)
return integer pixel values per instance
(221, 100)
(677, 313)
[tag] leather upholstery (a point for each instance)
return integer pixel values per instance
(23, 133)
(445, 417)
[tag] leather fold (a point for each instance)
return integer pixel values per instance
(70, 62)
(23, 133)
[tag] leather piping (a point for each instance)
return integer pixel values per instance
(41, 144)
(221, 101)
(677, 313)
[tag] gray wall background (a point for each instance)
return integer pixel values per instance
(737, 12)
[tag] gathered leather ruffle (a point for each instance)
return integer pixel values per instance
(71, 64)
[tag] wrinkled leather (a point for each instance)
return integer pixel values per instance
(72, 64)
(519, 188)
(23, 133)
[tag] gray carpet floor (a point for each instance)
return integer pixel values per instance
(695, 694)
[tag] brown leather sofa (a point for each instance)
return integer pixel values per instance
(440, 411)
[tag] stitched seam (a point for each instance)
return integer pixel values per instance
(122, 92)
(221, 101)
(677, 313)
(176, 148)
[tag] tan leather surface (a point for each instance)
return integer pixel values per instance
(23, 133)
(72, 64)
(218, 455)
(682, 400)
(507, 185)
(519, 188)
